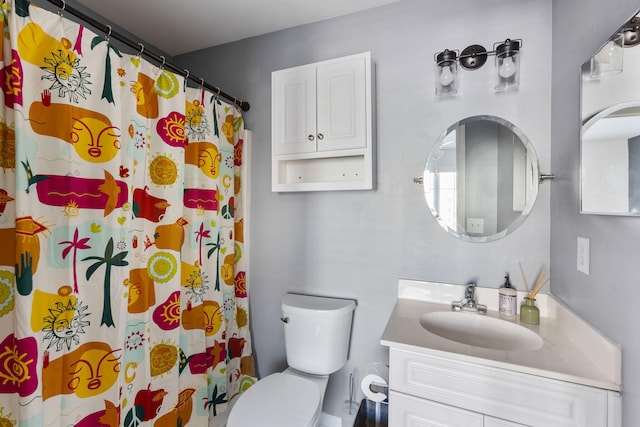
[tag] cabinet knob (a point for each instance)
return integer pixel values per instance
(310, 137)
(320, 136)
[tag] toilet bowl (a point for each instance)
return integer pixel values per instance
(283, 399)
(317, 335)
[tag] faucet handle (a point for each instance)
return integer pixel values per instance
(469, 302)
(470, 290)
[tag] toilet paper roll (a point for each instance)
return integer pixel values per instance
(376, 374)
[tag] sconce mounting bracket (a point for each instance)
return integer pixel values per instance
(631, 32)
(546, 177)
(473, 57)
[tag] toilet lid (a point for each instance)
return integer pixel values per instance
(277, 400)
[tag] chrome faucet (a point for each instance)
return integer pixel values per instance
(469, 302)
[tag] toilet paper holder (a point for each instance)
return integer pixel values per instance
(375, 380)
(379, 388)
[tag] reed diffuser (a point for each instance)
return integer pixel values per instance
(529, 313)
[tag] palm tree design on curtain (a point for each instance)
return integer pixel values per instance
(109, 260)
(201, 234)
(75, 244)
(216, 247)
(216, 399)
(107, 91)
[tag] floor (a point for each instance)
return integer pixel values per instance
(330, 421)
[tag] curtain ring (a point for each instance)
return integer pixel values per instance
(216, 93)
(201, 83)
(164, 61)
(64, 5)
(186, 79)
(141, 49)
(106, 37)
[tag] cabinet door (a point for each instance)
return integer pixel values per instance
(495, 422)
(342, 104)
(294, 110)
(409, 411)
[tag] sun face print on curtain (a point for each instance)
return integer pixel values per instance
(123, 297)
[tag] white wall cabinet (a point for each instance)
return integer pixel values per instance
(428, 390)
(322, 126)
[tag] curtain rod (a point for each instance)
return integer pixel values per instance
(243, 105)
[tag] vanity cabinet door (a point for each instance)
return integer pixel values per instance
(495, 422)
(409, 411)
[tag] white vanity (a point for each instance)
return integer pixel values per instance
(570, 378)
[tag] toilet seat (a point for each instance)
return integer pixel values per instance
(278, 400)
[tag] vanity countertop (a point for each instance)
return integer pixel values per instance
(572, 351)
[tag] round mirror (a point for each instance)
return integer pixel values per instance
(481, 178)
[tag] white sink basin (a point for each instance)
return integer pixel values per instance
(481, 331)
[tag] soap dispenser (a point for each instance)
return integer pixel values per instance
(507, 306)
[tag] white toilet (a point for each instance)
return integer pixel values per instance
(316, 338)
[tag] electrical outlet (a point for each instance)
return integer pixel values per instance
(583, 255)
(475, 225)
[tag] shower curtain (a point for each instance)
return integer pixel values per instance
(123, 296)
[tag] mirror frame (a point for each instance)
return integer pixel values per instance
(535, 180)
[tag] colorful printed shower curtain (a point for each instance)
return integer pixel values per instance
(123, 298)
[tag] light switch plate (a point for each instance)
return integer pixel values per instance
(583, 255)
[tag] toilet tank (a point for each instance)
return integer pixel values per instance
(317, 331)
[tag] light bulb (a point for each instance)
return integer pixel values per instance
(446, 76)
(507, 68)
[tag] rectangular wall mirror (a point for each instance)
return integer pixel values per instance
(610, 137)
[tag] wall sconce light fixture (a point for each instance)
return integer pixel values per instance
(446, 73)
(608, 61)
(507, 55)
(507, 64)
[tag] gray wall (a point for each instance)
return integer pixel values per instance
(358, 243)
(606, 297)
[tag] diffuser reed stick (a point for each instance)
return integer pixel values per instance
(524, 278)
(541, 281)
